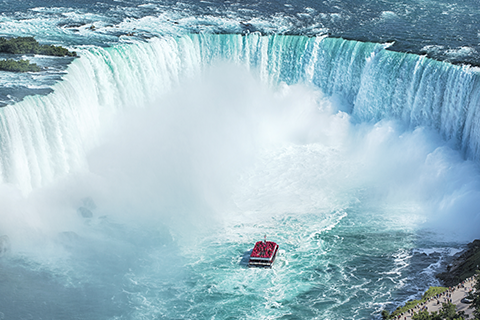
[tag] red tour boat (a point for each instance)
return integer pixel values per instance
(263, 254)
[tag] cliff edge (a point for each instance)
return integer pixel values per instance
(462, 265)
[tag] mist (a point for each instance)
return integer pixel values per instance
(224, 145)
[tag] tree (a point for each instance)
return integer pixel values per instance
(476, 297)
(422, 315)
(18, 66)
(28, 45)
(447, 312)
(385, 314)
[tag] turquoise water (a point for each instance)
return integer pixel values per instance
(361, 163)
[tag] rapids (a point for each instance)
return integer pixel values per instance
(137, 185)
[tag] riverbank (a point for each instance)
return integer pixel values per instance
(457, 278)
(454, 295)
(461, 266)
(27, 45)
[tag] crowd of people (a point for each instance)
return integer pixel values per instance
(439, 299)
(263, 249)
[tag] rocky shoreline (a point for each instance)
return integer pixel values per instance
(461, 266)
(456, 277)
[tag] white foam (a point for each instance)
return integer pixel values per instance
(461, 52)
(388, 15)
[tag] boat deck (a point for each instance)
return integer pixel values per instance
(263, 254)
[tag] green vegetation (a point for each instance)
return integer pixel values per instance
(28, 45)
(18, 66)
(462, 267)
(431, 292)
(447, 312)
(476, 297)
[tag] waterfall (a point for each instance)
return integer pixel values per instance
(45, 137)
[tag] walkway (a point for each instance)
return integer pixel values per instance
(454, 295)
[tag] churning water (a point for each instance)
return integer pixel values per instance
(136, 187)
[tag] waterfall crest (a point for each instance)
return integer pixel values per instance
(43, 137)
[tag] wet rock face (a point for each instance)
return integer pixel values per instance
(462, 265)
(4, 245)
(89, 203)
(84, 212)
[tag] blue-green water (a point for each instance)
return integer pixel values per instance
(186, 149)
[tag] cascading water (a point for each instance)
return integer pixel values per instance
(47, 136)
(373, 83)
(192, 147)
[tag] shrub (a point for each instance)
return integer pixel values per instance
(28, 45)
(431, 292)
(18, 66)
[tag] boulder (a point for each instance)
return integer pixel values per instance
(462, 265)
(84, 212)
(4, 245)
